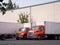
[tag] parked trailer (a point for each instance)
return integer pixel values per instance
(7, 30)
(45, 30)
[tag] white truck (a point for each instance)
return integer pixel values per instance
(45, 30)
(7, 30)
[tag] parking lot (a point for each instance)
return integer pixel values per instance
(29, 42)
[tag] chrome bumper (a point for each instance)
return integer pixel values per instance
(28, 36)
(20, 36)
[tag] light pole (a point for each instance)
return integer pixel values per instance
(30, 17)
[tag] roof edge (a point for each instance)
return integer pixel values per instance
(36, 5)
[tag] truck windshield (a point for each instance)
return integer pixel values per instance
(35, 28)
(22, 29)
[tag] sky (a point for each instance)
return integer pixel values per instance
(23, 3)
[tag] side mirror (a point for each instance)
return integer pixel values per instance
(40, 28)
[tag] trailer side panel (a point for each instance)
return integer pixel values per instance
(6, 27)
(52, 28)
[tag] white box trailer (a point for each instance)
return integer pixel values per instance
(8, 29)
(52, 30)
(52, 27)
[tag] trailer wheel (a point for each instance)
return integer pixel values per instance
(59, 37)
(3, 38)
(56, 37)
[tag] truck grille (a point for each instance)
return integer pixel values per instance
(17, 34)
(30, 34)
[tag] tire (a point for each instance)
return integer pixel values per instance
(59, 37)
(39, 37)
(25, 37)
(56, 37)
(17, 38)
(3, 37)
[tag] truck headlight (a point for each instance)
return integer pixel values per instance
(22, 34)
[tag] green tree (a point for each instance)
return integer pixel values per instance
(23, 18)
(2, 8)
(15, 6)
(10, 5)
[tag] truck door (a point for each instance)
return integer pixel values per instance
(41, 28)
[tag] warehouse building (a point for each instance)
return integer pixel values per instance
(42, 12)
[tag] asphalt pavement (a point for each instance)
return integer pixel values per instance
(29, 42)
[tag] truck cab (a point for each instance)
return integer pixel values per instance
(22, 33)
(36, 32)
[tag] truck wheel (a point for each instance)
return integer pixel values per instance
(17, 38)
(24, 37)
(39, 37)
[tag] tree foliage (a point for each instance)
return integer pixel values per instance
(7, 6)
(15, 6)
(1, 0)
(2, 7)
(10, 5)
(23, 18)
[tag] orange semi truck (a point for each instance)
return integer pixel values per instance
(45, 30)
(22, 33)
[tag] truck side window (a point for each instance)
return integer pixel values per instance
(27, 29)
(19, 29)
(40, 28)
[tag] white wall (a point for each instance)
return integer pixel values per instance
(46, 12)
(12, 15)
